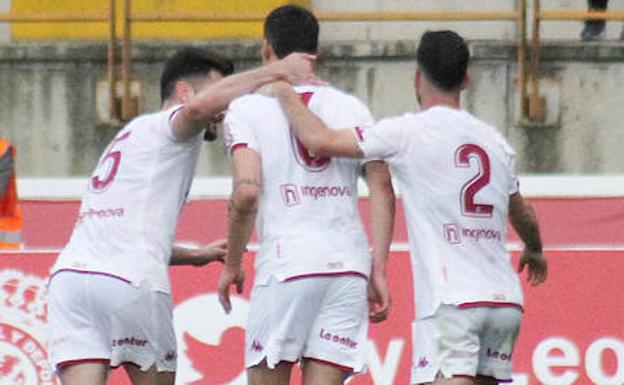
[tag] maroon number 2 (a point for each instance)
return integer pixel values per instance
(463, 154)
(100, 184)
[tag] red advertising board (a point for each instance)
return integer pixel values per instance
(572, 331)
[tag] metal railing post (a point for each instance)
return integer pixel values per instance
(535, 111)
(522, 40)
(126, 108)
(112, 75)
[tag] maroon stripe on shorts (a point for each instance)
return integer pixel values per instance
(89, 272)
(65, 364)
(490, 304)
(322, 275)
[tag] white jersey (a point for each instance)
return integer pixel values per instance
(308, 221)
(128, 216)
(455, 176)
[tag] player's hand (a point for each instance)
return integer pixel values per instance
(298, 68)
(212, 252)
(379, 301)
(537, 266)
(229, 276)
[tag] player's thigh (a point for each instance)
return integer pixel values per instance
(424, 361)
(316, 373)
(79, 319)
(93, 373)
(261, 374)
(457, 333)
(280, 317)
(149, 377)
(498, 339)
(339, 334)
(143, 334)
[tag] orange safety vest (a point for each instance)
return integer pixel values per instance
(10, 212)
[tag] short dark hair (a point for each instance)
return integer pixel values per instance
(443, 56)
(188, 63)
(291, 28)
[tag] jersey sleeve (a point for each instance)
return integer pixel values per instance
(510, 163)
(383, 140)
(238, 129)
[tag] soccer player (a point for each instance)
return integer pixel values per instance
(309, 301)
(457, 178)
(109, 294)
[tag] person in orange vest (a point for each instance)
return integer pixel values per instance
(10, 212)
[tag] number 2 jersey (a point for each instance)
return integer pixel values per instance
(129, 213)
(455, 176)
(308, 222)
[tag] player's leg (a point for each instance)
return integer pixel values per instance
(318, 373)
(499, 336)
(485, 381)
(457, 334)
(144, 339)
(78, 332)
(93, 373)
(149, 377)
(280, 317)
(261, 374)
(335, 348)
(424, 365)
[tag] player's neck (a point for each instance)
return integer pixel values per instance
(440, 100)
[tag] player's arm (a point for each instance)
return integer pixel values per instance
(210, 101)
(212, 252)
(523, 219)
(242, 210)
(381, 196)
(311, 131)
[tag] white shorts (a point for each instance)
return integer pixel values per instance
(476, 341)
(424, 362)
(94, 317)
(324, 319)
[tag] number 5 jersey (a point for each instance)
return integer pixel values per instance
(129, 212)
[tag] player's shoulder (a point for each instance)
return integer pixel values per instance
(408, 119)
(332, 94)
(148, 120)
(488, 133)
(251, 102)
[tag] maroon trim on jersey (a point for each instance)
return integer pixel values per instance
(89, 272)
(305, 97)
(360, 133)
(322, 275)
(331, 364)
(467, 305)
(62, 365)
(175, 112)
(238, 146)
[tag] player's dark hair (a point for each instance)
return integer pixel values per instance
(188, 63)
(443, 57)
(291, 28)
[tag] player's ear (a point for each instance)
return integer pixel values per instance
(183, 91)
(465, 82)
(267, 51)
(417, 78)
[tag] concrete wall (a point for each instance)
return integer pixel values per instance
(48, 106)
